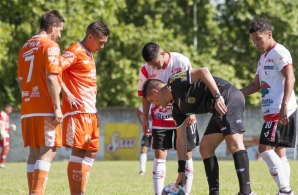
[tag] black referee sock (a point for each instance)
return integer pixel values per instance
(242, 168)
(212, 174)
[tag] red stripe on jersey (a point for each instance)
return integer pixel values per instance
(144, 72)
(271, 117)
(167, 62)
(140, 93)
(288, 65)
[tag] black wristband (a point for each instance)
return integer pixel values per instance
(181, 166)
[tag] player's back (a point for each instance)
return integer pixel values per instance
(38, 56)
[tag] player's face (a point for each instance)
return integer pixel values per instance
(8, 109)
(157, 99)
(57, 31)
(261, 40)
(157, 63)
(97, 43)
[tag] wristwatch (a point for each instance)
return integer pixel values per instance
(217, 95)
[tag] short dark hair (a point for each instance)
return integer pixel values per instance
(151, 84)
(261, 25)
(8, 104)
(150, 51)
(98, 28)
(50, 18)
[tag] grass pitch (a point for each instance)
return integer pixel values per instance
(122, 178)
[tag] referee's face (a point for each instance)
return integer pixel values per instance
(156, 99)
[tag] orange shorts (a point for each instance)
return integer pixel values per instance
(40, 131)
(81, 131)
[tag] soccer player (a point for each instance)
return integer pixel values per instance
(146, 142)
(41, 115)
(197, 92)
(5, 128)
(161, 65)
(80, 126)
(275, 78)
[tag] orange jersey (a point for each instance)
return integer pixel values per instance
(38, 56)
(79, 76)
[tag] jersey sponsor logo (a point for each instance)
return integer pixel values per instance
(269, 60)
(281, 58)
(267, 74)
(53, 51)
(54, 60)
(266, 111)
(268, 67)
(118, 142)
(267, 102)
(162, 116)
(86, 62)
(264, 88)
(69, 55)
(25, 93)
(35, 92)
(174, 70)
(152, 76)
(31, 44)
(191, 100)
(182, 76)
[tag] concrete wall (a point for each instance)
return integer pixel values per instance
(252, 118)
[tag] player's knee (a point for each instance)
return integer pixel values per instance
(206, 152)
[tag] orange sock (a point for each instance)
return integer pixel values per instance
(41, 171)
(86, 168)
(74, 173)
(30, 170)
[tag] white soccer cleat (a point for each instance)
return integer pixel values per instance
(291, 192)
(252, 193)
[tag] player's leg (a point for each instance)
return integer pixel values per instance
(84, 150)
(33, 157)
(232, 127)
(281, 152)
(42, 168)
(4, 143)
(162, 141)
(143, 154)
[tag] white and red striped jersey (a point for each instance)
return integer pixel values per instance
(162, 117)
(4, 121)
(272, 82)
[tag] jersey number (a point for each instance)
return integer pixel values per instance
(268, 125)
(31, 59)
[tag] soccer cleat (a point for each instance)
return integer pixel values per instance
(142, 173)
(252, 193)
(2, 166)
(291, 192)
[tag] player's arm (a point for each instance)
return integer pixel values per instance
(54, 90)
(253, 87)
(205, 76)
(288, 73)
(139, 116)
(146, 107)
(181, 152)
(70, 98)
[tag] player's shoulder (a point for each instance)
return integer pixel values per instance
(178, 56)
(279, 48)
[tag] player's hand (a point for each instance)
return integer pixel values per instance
(220, 105)
(13, 127)
(191, 119)
(58, 116)
(146, 129)
(74, 102)
(180, 179)
(283, 114)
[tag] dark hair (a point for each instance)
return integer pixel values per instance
(50, 18)
(98, 28)
(151, 84)
(260, 24)
(7, 105)
(150, 51)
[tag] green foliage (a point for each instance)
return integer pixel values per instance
(222, 35)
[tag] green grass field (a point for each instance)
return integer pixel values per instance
(122, 178)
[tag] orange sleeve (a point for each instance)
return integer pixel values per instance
(52, 58)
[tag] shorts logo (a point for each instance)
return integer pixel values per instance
(266, 134)
(224, 128)
(238, 121)
(191, 100)
(87, 138)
